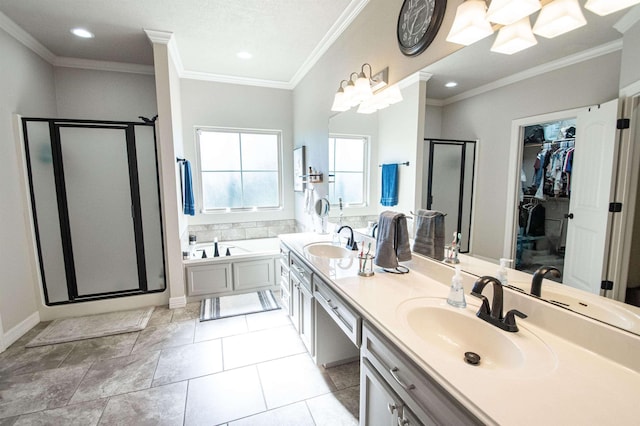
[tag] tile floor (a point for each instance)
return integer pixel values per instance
(246, 370)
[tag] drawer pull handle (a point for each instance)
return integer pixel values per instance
(392, 407)
(393, 372)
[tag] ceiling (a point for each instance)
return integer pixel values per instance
(285, 37)
(282, 35)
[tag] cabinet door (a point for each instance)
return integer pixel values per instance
(306, 318)
(379, 405)
(295, 301)
(254, 274)
(209, 279)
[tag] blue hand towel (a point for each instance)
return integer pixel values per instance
(188, 204)
(389, 185)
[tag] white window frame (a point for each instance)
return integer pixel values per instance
(277, 133)
(365, 167)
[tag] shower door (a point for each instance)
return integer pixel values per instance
(93, 238)
(450, 185)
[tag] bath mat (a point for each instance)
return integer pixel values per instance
(89, 327)
(237, 304)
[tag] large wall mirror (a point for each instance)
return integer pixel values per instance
(495, 97)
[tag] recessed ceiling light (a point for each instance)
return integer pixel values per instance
(81, 32)
(451, 84)
(244, 55)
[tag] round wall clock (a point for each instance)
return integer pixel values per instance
(418, 24)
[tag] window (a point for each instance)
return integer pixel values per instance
(240, 169)
(348, 168)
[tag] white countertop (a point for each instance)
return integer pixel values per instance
(570, 385)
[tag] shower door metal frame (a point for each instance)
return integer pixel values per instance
(63, 212)
(463, 148)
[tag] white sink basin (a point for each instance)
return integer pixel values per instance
(601, 309)
(328, 250)
(452, 332)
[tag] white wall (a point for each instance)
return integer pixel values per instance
(590, 82)
(27, 88)
(236, 106)
(104, 95)
(630, 69)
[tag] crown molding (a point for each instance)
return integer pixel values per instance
(156, 36)
(25, 38)
(344, 20)
(586, 55)
(414, 78)
(90, 64)
(229, 79)
(628, 20)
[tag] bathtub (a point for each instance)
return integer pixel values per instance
(251, 265)
(238, 248)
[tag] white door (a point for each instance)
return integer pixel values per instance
(590, 196)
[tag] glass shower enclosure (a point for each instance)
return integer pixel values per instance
(96, 208)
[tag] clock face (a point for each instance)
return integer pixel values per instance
(418, 24)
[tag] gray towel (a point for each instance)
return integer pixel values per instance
(429, 234)
(392, 245)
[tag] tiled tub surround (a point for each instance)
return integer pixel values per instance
(592, 361)
(240, 230)
(178, 371)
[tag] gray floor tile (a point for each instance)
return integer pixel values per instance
(30, 335)
(101, 348)
(20, 360)
(224, 397)
(32, 392)
(290, 415)
(345, 375)
(165, 336)
(292, 379)
(84, 414)
(336, 409)
(259, 346)
(163, 405)
(224, 327)
(117, 375)
(268, 319)
(8, 421)
(189, 312)
(189, 361)
(161, 315)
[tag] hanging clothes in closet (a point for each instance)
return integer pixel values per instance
(552, 169)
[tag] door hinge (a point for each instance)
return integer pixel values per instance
(606, 285)
(623, 123)
(615, 207)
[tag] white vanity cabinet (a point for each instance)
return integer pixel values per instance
(302, 307)
(233, 276)
(396, 392)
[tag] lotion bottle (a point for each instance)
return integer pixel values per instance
(456, 294)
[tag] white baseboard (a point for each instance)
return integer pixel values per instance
(177, 302)
(19, 330)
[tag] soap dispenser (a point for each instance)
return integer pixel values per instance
(456, 294)
(501, 273)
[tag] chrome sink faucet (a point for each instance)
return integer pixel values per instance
(351, 242)
(538, 275)
(493, 314)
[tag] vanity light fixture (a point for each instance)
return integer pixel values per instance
(514, 37)
(605, 7)
(559, 17)
(360, 91)
(507, 12)
(82, 33)
(382, 99)
(470, 23)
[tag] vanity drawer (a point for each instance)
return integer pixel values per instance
(344, 316)
(420, 392)
(302, 271)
